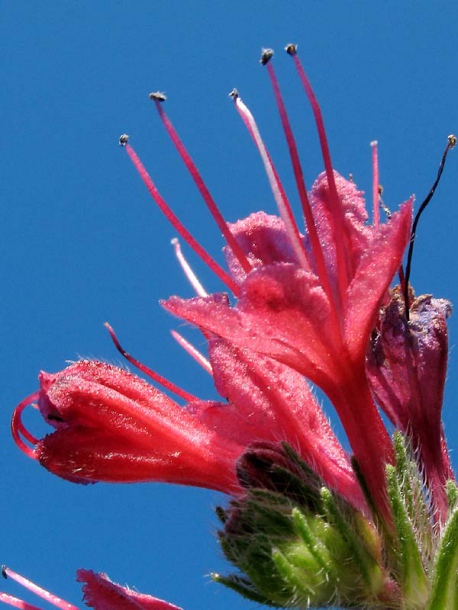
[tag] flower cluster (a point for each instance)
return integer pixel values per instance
(309, 524)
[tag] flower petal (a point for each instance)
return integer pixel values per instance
(113, 426)
(101, 593)
(373, 276)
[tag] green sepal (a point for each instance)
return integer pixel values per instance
(303, 546)
(242, 586)
(412, 488)
(444, 594)
(411, 574)
(358, 538)
(452, 495)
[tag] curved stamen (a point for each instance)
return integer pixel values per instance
(451, 143)
(375, 185)
(31, 586)
(18, 428)
(174, 221)
(276, 186)
(317, 250)
(192, 351)
(189, 273)
(337, 216)
(198, 180)
(168, 385)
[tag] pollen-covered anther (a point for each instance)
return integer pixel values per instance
(123, 139)
(452, 140)
(291, 48)
(234, 94)
(157, 96)
(266, 56)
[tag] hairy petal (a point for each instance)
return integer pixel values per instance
(101, 593)
(282, 313)
(272, 402)
(264, 240)
(373, 276)
(113, 426)
(357, 235)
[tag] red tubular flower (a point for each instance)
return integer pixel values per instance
(284, 312)
(112, 426)
(268, 401)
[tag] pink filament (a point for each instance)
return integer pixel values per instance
(168, 385)
(299, 176)
(375, 185)
(18, 428)
(278, 191)
(15, 602)
(344, 273)
(192, 351)
(206, 195)
(175, 222)
(189, 273)
(46, 595)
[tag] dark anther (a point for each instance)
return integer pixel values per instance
(234, 94)
(266, 56)
(291, 49)
(157, 96)
(4, 574)
(451, 142)
(56, 418)
(124, 139)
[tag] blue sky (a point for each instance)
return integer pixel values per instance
(81, 243)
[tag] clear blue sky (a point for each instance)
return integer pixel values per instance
(81, 242)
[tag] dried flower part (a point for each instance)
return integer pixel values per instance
(406, 366)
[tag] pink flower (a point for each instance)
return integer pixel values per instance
(99, 591)
(284, 312)
(112, 426)
(306, 303)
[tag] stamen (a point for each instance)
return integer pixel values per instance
(276, 186)
(192, 351)
(31, 586)
(15, 602)
(168, 385)
(375, 186)
(198, 180)
(18, 429)
(451, 143)
(189, 273)
(317, 251)
(337, 216)
(174, 221)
